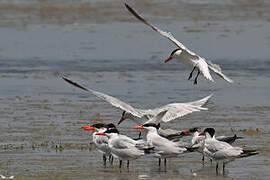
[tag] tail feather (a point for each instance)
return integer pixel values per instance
(248, 154)
(230, 139)
(149, 150)
(245, 151)
(192, 149)
(217, 69)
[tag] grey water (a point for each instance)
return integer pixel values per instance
(41, 115)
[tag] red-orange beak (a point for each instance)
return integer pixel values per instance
(101, 134)
(202, 134)
(168, 59)
(89, 128)
(138, 127)
(121, 120)
(186, 132)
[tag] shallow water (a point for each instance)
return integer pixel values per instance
(41, 115)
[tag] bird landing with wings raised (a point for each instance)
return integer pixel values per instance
(165, 113)
(184, 55)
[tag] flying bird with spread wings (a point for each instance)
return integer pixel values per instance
(184, 55)
(165, 113)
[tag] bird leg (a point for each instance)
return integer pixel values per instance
(111, 159)
(165, 162)
(140, 135)
(223, 168)
(110, 156)
(104, 159)
(190, 75)
(217, 168)
(195, 81)
(159, 161)
(203, 159)
(120, 164)
(127, 163)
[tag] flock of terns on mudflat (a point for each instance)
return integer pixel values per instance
(159, 142)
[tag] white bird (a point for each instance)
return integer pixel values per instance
(220, 151)
(197, 140)
(165, 113)
(123, 147)
(101, 142)
(184, 55)
(163, 147)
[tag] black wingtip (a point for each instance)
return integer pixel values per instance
(191, 149)
(127, 6)
(238, 137)
(74, 83)
(249, 154)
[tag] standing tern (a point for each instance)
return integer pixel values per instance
(123, 147)
(184, 55)
(163, 147)
(101, 142)
(165, 113)
(197, 140)
(220, 151)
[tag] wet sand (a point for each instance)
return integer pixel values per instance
(107, 50)
(22, 13)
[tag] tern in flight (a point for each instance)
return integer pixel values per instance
(184, 55)
(165, 113)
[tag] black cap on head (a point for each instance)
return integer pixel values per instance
(192, 130)
(210, 131)
(157, 126)
(174, 51)
(112, 131)
(110, 126)
(98, 125)
(123, 114)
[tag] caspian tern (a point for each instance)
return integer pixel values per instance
(165, 113)
(220, 151)
(163, 147)
(197, 140)
(184, 55)
(123, 147)
(101, 142)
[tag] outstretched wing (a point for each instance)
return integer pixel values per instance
(176, 110)
(113, 101)
(179, 111)
(163, 33)
(188, 52)
(201, 102)
(217, 69)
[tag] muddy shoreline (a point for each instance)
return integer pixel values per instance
(100, 45)
(69, 12)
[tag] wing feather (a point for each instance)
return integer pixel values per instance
(201, 102)
(217, 69)
(163, 33)
(214, 67)
(174, 113)
(113, 101)
(177, 110)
